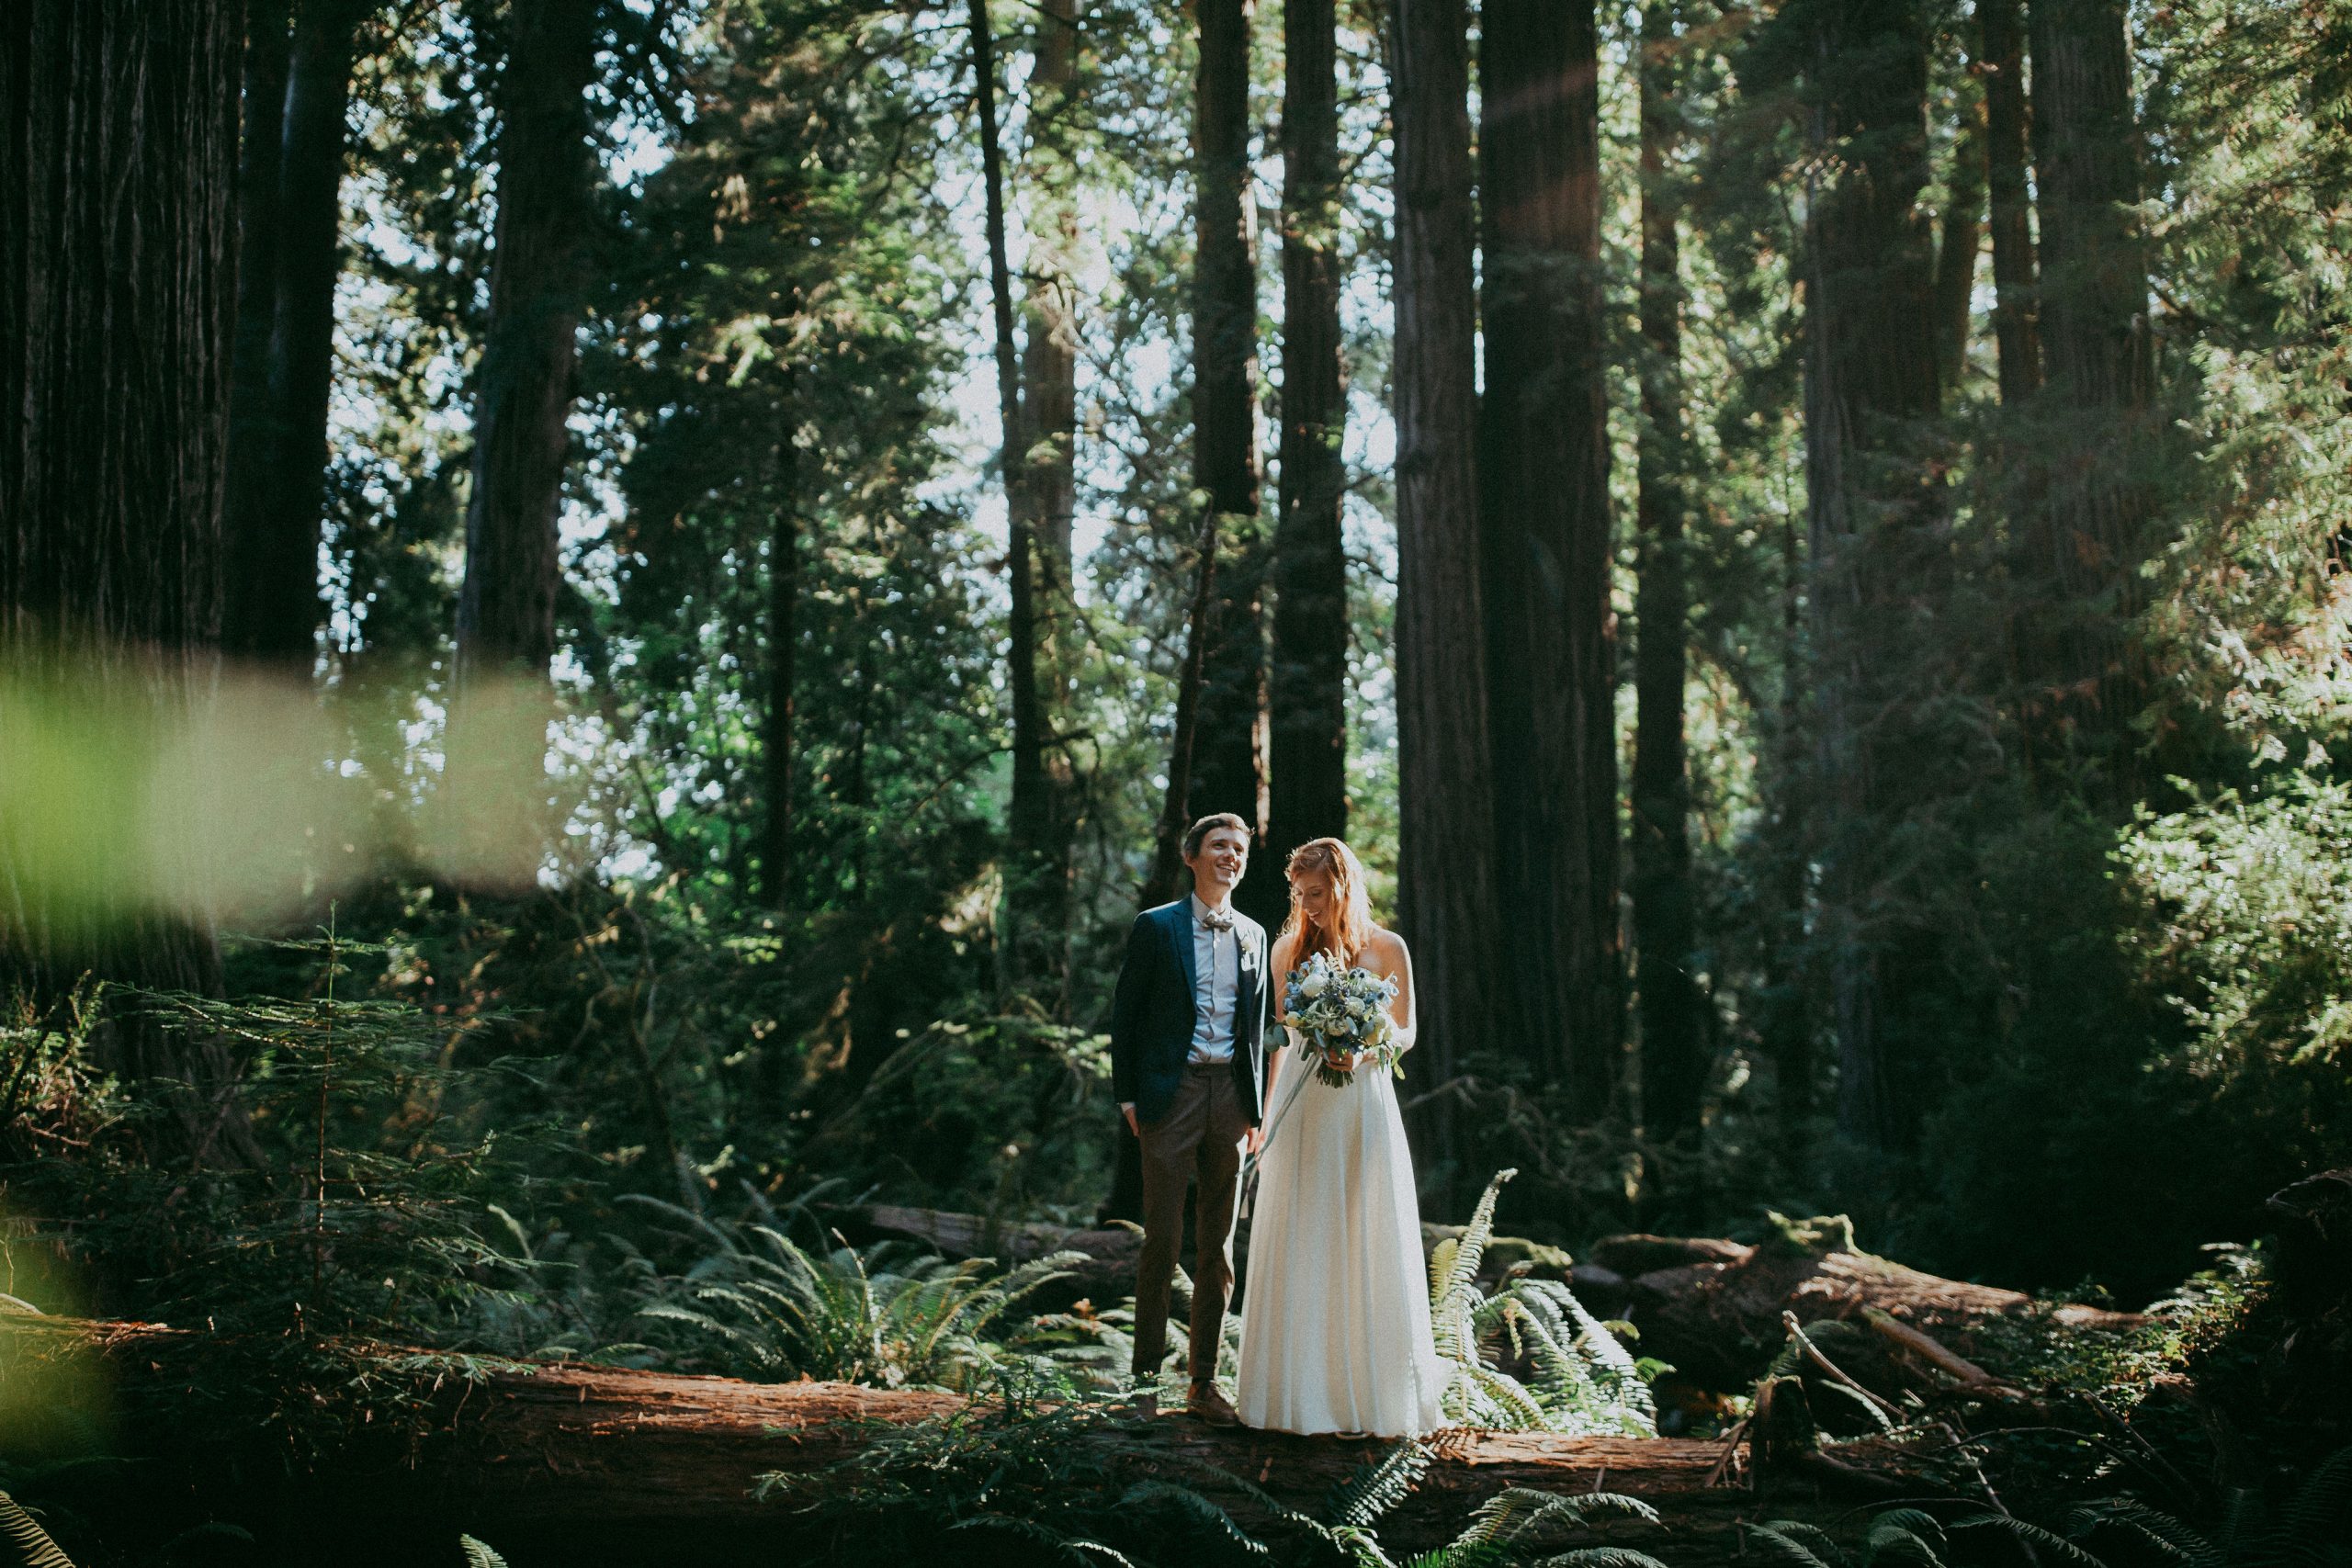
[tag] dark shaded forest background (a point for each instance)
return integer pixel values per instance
(712, 544)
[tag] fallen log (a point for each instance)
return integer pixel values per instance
(586, 1465)
(1717, 1318)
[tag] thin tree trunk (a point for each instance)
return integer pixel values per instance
(117, 292)
(1308, 693)
(1049, 491)
(1673, 1008)
(784, 639)
(1545, 504)
(273, 605)
(2001, 49)
(1869, 380)
(256, 427)
(2093, 519)
(1229, 760)
(1175, 811)
(1445, 849)
(1784, 1029)
(506, 607)
(1030, 814)
(1962, 236)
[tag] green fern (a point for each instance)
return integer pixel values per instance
(1376, 1487)
(1583, 1381)
(479, 1555)
(1602, 1557)
(762, 1305)
(29, 1545)
(1201, 1510)
(2032, 1535)
(1804, 1545)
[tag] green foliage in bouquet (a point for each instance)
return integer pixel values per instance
(1582, 1379)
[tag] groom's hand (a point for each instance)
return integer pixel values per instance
(1127, 1109)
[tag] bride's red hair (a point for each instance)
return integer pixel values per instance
(1351, 926)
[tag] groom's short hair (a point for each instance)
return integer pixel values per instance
(1206, 825)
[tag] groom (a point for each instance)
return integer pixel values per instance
(1188, 1064)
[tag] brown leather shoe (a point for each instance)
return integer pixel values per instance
(1211, 1406)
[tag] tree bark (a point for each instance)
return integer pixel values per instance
(1307, 693)
(1870, 381)
(1961, 237)
(1545, 499)
(1229, 772)
(784, 640)
(273, 605)
(1445, 851)
(557, 1463)
(1049, 491)
(2001, 49)
(117, 288)
(1175, 811)
(2090, 525)
(506, 607)
(1673, 1007)
(256, 427)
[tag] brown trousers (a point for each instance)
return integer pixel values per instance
(1198, 1141)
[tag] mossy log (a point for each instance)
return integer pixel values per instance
(1717, 1316)
(584, 1465)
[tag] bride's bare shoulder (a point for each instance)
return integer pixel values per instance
(1385, 948)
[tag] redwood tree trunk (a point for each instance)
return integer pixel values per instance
(1048, 490)
(1962, 237)
(2001, 48)
(1870, 381)
(1229, 746)
(1308, 693)
(256, 428)
(1545, 504)
(118, 172)
(1673, 1008)
(2093, 518)
(273, 606)
(1445, 850)
(783, 638)
(507, 608)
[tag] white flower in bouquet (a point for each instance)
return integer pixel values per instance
(1339, 1014)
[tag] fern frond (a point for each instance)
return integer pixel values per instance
(2315, 1513)
(1377, 1485)
(1903, 1533)
(479, 1555)
(29, 1544)
(1602, 1557)
(2172, 1539)
(1796, 1543)
(2033, 1535)
(1201, 1508)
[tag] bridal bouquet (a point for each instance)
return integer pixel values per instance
(1337, 1012)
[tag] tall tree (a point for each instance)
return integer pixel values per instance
(1229, 763)
(1308, 693)
(273, 605)
(1445, 849)
(2001, 56)
(524, 390)
(1870, 382)
(116, 287)
(1545, 510)
(777, 738)
(1031, 809)
(2090, 528)
(1962, 233)
(1049, 491)
(1673, 1008)
(256, 431)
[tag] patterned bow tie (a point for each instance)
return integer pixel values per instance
(1217, 920)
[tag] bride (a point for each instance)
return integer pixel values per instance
(1335, 1323)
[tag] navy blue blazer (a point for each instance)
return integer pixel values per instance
(1154, 1013)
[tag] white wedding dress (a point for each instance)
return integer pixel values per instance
(1335, 1314)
